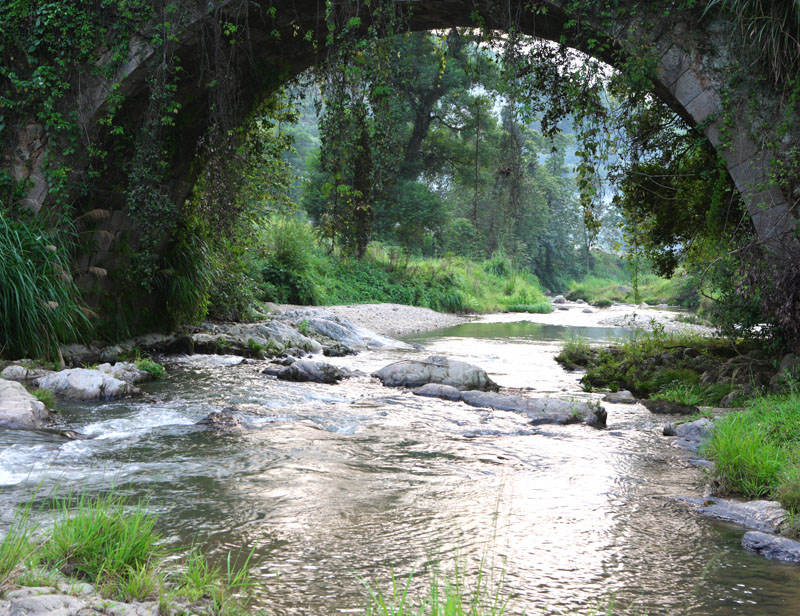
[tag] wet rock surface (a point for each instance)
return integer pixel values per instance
(761, 515)
(306, 370)
(539, 410)
(435, 369)
(772, 547)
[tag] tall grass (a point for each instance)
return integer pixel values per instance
(113, 543)
(757, 451)
(453, 595)
(17, 545)
(102, 540)
(39, 303)
(771, 28)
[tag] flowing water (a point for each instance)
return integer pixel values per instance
(334, 485)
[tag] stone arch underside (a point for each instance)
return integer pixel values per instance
(692, 77)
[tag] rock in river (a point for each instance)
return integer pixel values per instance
(435, 369)
(305, 370)
(772, 547)
(85, 384)
(19, 409)
(541, 410)
(762, 515)
(538, 410)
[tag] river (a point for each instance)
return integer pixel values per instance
(335, 485)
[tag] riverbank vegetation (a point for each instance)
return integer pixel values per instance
(113, 544)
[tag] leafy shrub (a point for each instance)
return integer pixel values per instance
(286, 272)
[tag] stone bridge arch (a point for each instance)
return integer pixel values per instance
(695, 60)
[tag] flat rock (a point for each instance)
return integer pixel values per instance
(22, 373)
(664, 407)
(306, 370)
(622, 396)
(588, 311)
(761, 515)
(19, 409)
(86, 384)
(772, 547)
(435, 369)
(540, 410)
(435, 390)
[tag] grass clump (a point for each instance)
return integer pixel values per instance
(113, 543)
(45, 396)
(153, 368)
(757, 451)
(576, 352)
(106, 541)
(40, 303)
(444, 596)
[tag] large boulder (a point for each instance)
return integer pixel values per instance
(541, 410)
(19, 409)
(86, 384)
(772, 547)
(435, 369)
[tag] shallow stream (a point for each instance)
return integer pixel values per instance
(338, 484)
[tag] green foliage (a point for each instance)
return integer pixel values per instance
(45, 396)
(154, 369)
(771, 29)
(691, 393)
(285, 262)
(754, 451)
(17, 545)
(452, 595)
(41, 306)
(101, 540)
(541, 308)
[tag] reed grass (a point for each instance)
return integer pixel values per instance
(39, 303)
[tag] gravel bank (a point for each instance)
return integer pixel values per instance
(387, 319)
